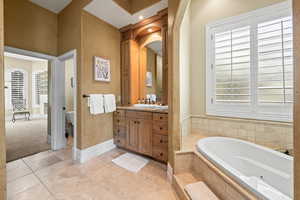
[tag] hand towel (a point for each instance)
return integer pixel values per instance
(109, 103)
(96, 104)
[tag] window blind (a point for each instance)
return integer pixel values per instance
(249, 71)
(275, 61)
(232, 66)
(17, 87)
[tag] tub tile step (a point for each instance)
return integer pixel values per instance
(199, 191)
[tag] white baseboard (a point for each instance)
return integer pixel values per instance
(170, 173)
(94, 151)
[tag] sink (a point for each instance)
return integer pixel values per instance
(150, 106)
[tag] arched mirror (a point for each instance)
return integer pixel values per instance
(151, 72)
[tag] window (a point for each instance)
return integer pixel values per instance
(250, 65)
(40, 86)
(17, 87)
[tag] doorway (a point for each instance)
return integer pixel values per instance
(44, 88)
(26, 105)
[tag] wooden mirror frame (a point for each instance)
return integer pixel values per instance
(132, 38)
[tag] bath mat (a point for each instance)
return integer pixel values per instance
(131, 162)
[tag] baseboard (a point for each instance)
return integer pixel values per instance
(170, 173)
(83, 155)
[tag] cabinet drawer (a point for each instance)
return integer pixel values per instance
(160, 154)
(119, 114)
(160, 141)
(119, 122)
(160, 128)
(160, 117)
(139, 115)
(121, 142)
(120, 131)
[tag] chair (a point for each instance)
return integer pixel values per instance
(19, 108)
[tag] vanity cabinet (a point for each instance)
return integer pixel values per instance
(145, 133)
(120, 128)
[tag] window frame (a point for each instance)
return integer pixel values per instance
(253, 110)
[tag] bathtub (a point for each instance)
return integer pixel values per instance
(265, 172)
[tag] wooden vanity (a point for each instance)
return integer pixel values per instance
(143, 131)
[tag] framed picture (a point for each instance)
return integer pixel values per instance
(149, 79)
(102, 69)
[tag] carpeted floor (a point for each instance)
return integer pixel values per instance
(25, 138)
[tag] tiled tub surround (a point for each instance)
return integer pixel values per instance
(191, 167)
(274, 135)
(265, 172)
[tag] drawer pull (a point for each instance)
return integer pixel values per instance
(161, 118)
(161, 154)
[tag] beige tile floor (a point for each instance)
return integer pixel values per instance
(53, 176)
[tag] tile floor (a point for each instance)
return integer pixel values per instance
(53, 176)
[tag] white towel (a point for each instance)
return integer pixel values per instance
(96, 104)
(110, 103)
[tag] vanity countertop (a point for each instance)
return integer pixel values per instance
(143, 109)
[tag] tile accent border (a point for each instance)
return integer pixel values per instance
(275, 135)
(86, 154)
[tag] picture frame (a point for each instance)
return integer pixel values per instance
(102, 69)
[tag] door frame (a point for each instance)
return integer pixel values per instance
(56, 141)
(62, 58)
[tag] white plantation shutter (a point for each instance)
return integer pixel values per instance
(275, 61)
(17, 87)
(249, 71)
(232, 66)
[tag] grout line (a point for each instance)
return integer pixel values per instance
(44, 185)
(27, 165)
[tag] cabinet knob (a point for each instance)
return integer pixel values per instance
(118, 121)
(118, 130)
(161, 154)
(161, 117)
(161, 141)
(161, 128)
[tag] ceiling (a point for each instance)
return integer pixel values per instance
(156, 47)
(53, 5)
(18, 56)
(115, 15)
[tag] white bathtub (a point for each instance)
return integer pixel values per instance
(265, 172)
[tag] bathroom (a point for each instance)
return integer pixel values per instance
(204, 106)
(240, 120)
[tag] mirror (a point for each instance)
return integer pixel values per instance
(151, 72)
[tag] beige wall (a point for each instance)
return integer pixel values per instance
(30, 27)
(202, 13)
(98, 39)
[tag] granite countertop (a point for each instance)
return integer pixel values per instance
(143, 109)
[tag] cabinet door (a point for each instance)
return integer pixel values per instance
(145, 137)
(132, 135)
